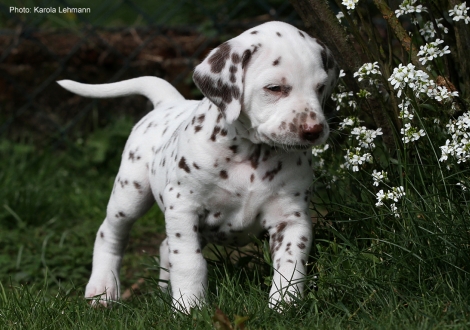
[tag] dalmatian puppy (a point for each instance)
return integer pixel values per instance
(225, 169)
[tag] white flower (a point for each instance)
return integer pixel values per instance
(341, 73)
(459, 144)
(394, 209)
(318, 150)
(411, 134)
(395, 194)
(367, 71)
(380, 198)
(429, 32)
(379, 177)
(460, 12)
(339, 16)
(355, 158)
(464, 188)
(404, 112)
(350, 4)
(408, 7)
(404, 76)
(343, 100)
(349, 121)
(430, 51)
(366, 136)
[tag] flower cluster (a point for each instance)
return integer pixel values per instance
(405, 113)
(408, 76)
(367, 71)
(459, 145)
(429, 32)
(355, 158)
(366, 136)
(409, 7)
(379, 177)
(460, 12)
(350, 4)
(395, 194)
(343, 100)
(418, 81)
(318, 150)
(411, 133)
(430, 51)
(348, 121)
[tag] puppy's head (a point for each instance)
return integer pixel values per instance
(276, 78)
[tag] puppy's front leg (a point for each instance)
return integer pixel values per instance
(188, 268)
(290, 241)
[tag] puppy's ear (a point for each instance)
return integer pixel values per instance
(220, 77)
(332, 69)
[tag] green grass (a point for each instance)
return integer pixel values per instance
(374, 271)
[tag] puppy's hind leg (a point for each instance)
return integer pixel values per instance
(131, 198)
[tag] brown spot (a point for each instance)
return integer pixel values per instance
(122, 214)
(278, 34)
(178, 235)
(280, 227)
(216, 215)
(234, 148)
(297, 214)
(101, 234)
(201, 118)
(254, 32)
(246, 57)
(235, 58)
(198, 251)
(290, 261)
(195, 228)
(301, 246)
(272, 173)
(161, 198)
(301, 34)
(297, 194)
(178, 195)
(175, 251)
(214, 133)
(276, 61)
(223, 174)
(182, 164)
(218, 59)
(252, 178)
(254, 158)
(137, 185)
(303, 238)
(196, 166)
(197, 128)
(292, 128)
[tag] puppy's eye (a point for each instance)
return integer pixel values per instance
(274, 88)
(321, 89)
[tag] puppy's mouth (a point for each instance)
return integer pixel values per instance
(304, 137)
(290, 142)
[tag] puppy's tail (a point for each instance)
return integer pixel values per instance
(155, 89)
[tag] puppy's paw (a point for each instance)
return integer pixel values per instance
(102, 292)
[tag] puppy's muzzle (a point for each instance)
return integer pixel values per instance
(311, 133)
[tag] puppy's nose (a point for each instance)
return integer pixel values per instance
(310, 132)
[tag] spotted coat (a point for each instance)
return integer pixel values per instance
(226, 169)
